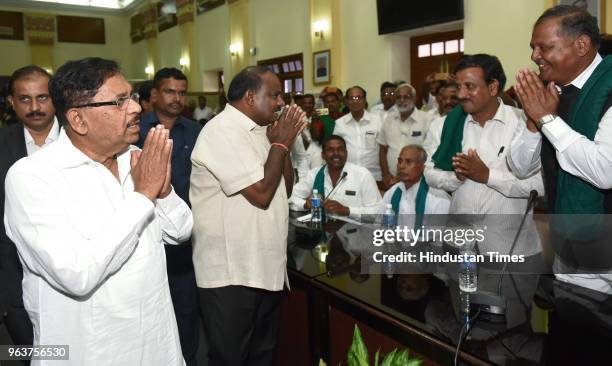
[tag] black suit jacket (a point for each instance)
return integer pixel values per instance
(12, 148)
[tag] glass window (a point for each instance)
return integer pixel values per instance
(437, 48)
(424, 50)
(461, 45)
(285, 67)
(451, 46)
(299, 85)
(288, 86)
(291, 66)
(298, 65)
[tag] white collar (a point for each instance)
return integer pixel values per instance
(581, 79)
(52, 136)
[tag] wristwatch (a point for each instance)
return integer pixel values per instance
(544, 120)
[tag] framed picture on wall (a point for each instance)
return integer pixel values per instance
(321, 67)
(206, 5)
(595, 7)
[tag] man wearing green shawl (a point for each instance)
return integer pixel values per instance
(573, 114)
(468, 151)
(411, 198)
(347, 189)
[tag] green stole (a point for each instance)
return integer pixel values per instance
(450, 140)
(578, 203)
(421, 198)
(328, 125)
(574, 195)
(319, 182)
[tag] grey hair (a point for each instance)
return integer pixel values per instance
(419, 148)
(406, 85)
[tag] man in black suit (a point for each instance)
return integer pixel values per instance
(29, 97)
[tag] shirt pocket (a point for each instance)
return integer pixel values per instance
(370, 139)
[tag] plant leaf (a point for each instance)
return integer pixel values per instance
(321, 362)
(414, 362)
(388, 360)
(376, 355)
(358, 353)
(401, 358)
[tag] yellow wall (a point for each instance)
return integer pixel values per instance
(117, 42)
(366, 56)
(506, 35)
(212, 40)
(139, 59)
(169, 46)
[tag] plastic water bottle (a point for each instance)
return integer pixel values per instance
(389, 218)
(468, 270)
(389, 223)
(315, 206)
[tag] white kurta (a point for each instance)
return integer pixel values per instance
(93, 258)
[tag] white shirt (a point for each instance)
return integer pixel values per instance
(432, 103)
(31, 146)
(299, 157)
(504, 193)
(436, 203)
(396, 134)
(360, 139)
(379, 110)
(433, 113)
(357, 191)
(93, 258)
(315, 160)
(235, 242)
(202, 113)
(577, 155)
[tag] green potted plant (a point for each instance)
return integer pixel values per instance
(358, 355)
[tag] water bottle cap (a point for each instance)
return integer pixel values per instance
(389, 205)
(315, 191)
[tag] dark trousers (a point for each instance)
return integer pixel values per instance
(19, 326)
(184, 293)
(241, 325)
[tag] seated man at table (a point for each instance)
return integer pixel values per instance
(346, 189)
(411, 195)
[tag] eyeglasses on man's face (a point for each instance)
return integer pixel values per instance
(120, 102)
(355, 98)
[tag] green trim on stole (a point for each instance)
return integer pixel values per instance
(420, 201)
(450, 140)
(319, 182)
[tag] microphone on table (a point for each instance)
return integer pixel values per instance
(344, 174)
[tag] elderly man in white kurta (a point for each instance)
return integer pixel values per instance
(89, 216)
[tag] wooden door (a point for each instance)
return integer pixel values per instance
(445, 50)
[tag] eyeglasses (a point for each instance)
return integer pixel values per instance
(389, 94)
(120, 102)
(355, 98)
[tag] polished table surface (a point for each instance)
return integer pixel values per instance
(576, 329)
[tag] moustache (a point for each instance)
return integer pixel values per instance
(176, 105)
(35, 114)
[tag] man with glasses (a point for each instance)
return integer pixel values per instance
(409, 126)
(29, 97)
(386, 106)
(360, 129)
(168, 96)
(88, 215)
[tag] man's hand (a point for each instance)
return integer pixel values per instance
(307, 203)
(334, 207)
(471, 166)
(150, 167)
(536, 99)
(167, 187)
(289, 125)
